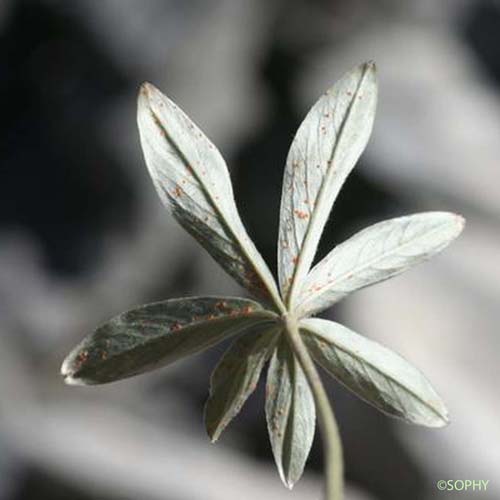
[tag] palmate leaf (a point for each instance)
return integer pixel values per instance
(375, 254)
(237, 375)
(192, 180)
(325, 149)
(290, 414)
(158, 334)
(374, 373)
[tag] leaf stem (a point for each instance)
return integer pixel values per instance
(334, 467)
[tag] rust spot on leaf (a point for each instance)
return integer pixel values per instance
(177, 192)
(82, 357)
(247, 310)
(301, 214)
(221, 305)
(252, 278)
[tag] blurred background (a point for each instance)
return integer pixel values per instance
(83, 235)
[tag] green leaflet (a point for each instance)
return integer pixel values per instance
(377, 253)
(325, 149)
(158, 334)
(374, 373)
(290, 414)
(236, 376)
(193, 182)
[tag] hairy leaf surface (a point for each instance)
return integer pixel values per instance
(374, 373)
(192, 180)
(290, 414)
(375, 254)
(236, 377)
(324, 151)
(158, 334)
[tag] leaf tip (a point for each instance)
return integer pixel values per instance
(213, 430)
(146, 89)
(70, 368)
(438, 423)
(460, 219)
(456, 225)
(213, 433)
(440, 418)
(70, 380)
(443, 420)
(288, 482)
(67, 372)
(66, 366)
(370, 65)
(368, 71)
(143, 101)
(150, 97)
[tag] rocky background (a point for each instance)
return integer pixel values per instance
(83, 235)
